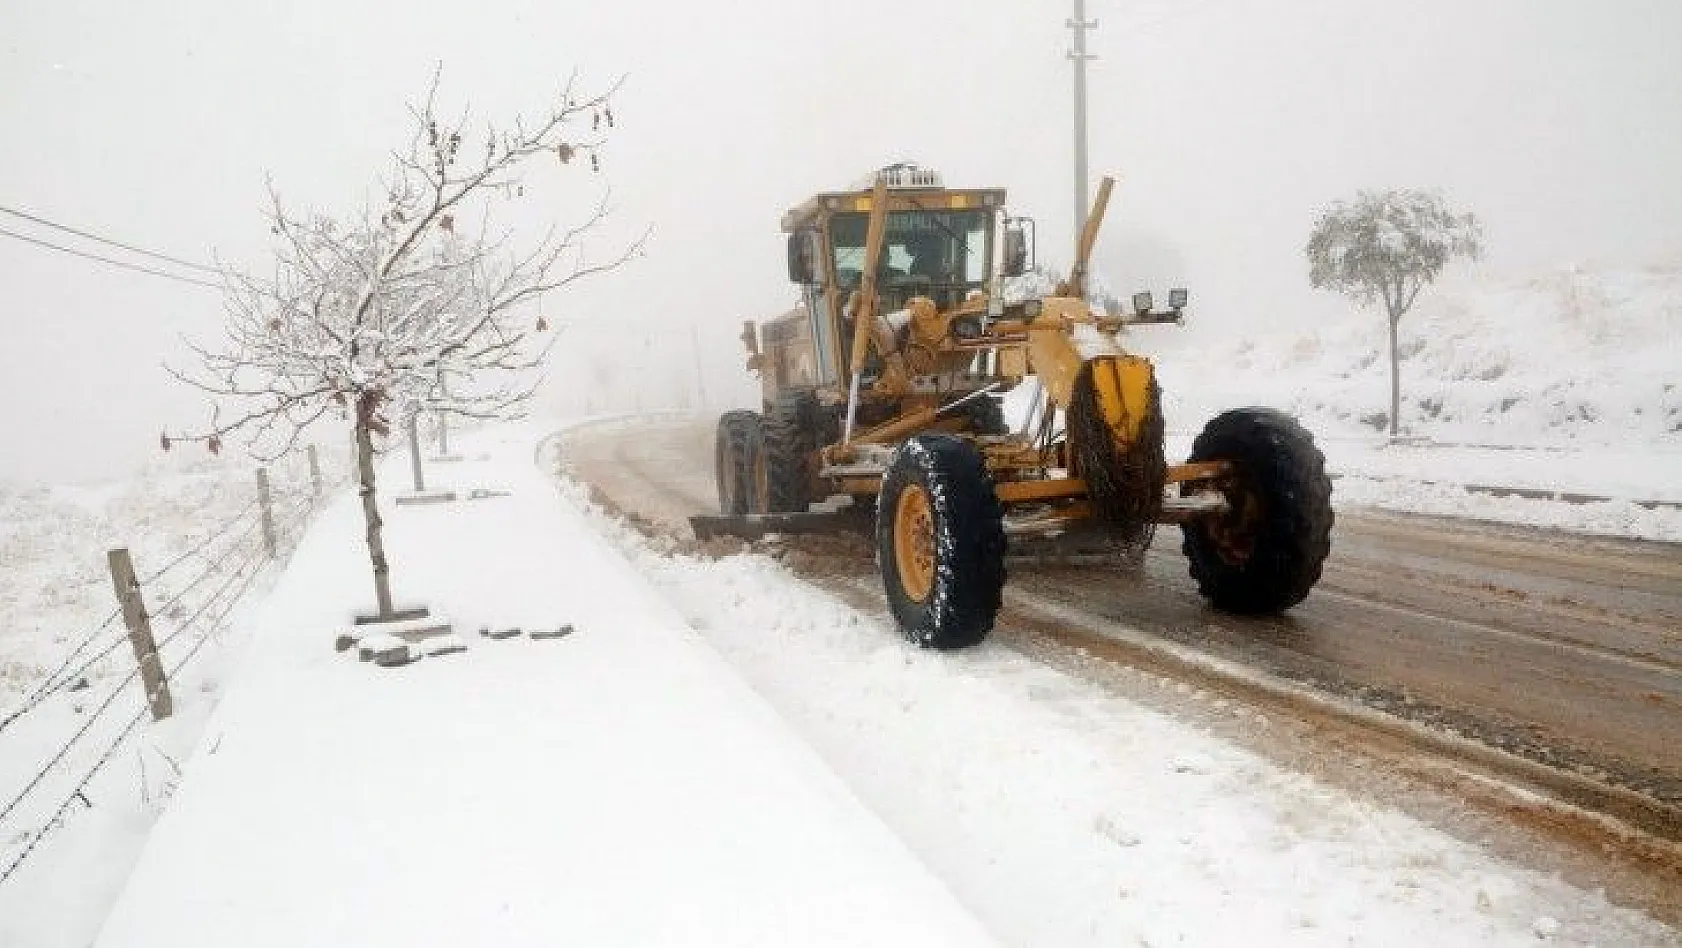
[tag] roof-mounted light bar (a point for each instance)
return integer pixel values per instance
(903, 175)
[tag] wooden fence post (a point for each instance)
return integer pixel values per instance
(140, 633)
(268, 510)
(315, 471)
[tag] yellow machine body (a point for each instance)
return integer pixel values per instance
(909, 326)
(884, 358)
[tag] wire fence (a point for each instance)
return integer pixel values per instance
(198, 548)
(231, 556)
(45, 687)
(64, 675)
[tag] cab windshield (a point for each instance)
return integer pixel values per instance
(939, 254)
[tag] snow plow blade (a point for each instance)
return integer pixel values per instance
(1083, 543)
(755, 526)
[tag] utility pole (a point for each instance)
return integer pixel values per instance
(1080, 24)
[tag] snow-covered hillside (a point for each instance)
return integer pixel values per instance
(1582, 357)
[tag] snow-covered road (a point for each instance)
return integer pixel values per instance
(1438, 622)
(651, 469)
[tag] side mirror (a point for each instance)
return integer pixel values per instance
(802, 258)
(1016, 251)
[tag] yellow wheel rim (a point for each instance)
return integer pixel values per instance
(914, 542)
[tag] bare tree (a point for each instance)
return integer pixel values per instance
(1387, 246)
(362, 318)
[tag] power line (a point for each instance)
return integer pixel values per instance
(106, 240)
(108, 260)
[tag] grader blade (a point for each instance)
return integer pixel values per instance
(758, 526)
(1087, 543)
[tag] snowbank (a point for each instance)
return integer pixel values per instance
(1568, 383)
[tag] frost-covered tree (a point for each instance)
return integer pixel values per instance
(1387, 246)
(364, 319)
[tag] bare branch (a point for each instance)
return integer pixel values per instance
(401, 305)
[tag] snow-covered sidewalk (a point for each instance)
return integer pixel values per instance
(620, 785)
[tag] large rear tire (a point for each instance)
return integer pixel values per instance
(940, 542)
(790, 436)
(1265, 554)
(737, 461)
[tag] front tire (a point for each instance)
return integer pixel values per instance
(1265, 554)
(940, 542)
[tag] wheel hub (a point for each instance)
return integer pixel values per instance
(914, 547)
(1234, 532)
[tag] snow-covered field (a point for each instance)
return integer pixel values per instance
(67, 688)
(53, 540)
(592, 788)
(1570, 382)
(1583, 357)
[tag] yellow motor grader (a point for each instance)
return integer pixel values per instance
(882, 411)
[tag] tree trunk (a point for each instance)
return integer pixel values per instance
(1395, 378)
(443, 435)
(371, 517)
(415, 451)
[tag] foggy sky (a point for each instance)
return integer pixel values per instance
(1229, 122)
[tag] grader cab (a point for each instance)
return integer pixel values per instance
(882, 411)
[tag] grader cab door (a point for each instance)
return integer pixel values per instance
(809, 269)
